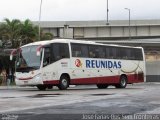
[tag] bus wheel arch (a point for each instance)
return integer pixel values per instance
(41, 87)
(123, 80)
(64, 81)
(102, 86)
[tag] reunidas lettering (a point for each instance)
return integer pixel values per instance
(103, 64)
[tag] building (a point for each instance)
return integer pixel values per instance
(117, 29)
(145, 33)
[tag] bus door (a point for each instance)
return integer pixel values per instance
(56, 61)
(46, 71)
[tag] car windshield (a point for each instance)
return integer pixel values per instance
(27, 59)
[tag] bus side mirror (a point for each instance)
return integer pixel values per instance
(14, 52)
(38, 52)
(11, 57)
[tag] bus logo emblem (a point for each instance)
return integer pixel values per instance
(78, 63)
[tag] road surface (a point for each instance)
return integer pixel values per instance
(80, 102)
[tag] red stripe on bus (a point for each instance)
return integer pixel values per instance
(29, 78)
(96, 80)
(132, 78)
(53, 82)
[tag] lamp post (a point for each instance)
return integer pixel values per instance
(107, 14)
(40, 20)
(129, 21)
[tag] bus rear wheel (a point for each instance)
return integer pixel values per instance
(102, 86)
(63, 83)
(41, 87)
(122, 82)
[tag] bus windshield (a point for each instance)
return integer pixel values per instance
(27, 59)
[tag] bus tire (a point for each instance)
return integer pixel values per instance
(63, 83)
(122, 82)
(41, 87)
(102, 86)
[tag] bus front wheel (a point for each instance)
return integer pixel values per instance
(122, 82)
(63, 83)
(102, 86)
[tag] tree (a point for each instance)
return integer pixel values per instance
(28, 32)
(12, 30)
(46, 36)
(19, 33)
(3, 34)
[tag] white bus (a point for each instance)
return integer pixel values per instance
(64, 62)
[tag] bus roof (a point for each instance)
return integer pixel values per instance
(73, 41)
(46, 42)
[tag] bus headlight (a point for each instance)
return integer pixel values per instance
(37, 77)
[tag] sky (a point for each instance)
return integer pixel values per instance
(79, 10)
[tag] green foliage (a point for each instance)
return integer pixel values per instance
(12, 30)
(19, 33)
(28, 32)
(47, 36)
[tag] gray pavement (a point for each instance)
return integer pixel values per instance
(80, 102)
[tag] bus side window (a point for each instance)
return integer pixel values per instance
(47, 57)
(59, 51)
(91, 54)
(64, 51)
(138, 54)
(102, 53)
(125, 53)
(79, 50)
(132, 54)
(76, 50)
(112, 52)
(93, 51)
(107, 52)
(128, 53)
(122, 53)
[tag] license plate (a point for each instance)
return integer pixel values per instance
(25, 82)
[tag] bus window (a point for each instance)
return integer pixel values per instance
(93, 51)
(107, 52)
(79, 50)
(132, 54)
(128, 54)
(96, 51)
(84, 49)
(112, 53)
(122, 53)
(47, 56)
(59, 51)
(138, 54)
(101, 52)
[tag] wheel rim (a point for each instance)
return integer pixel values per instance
(64, 82)
(123, 81)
